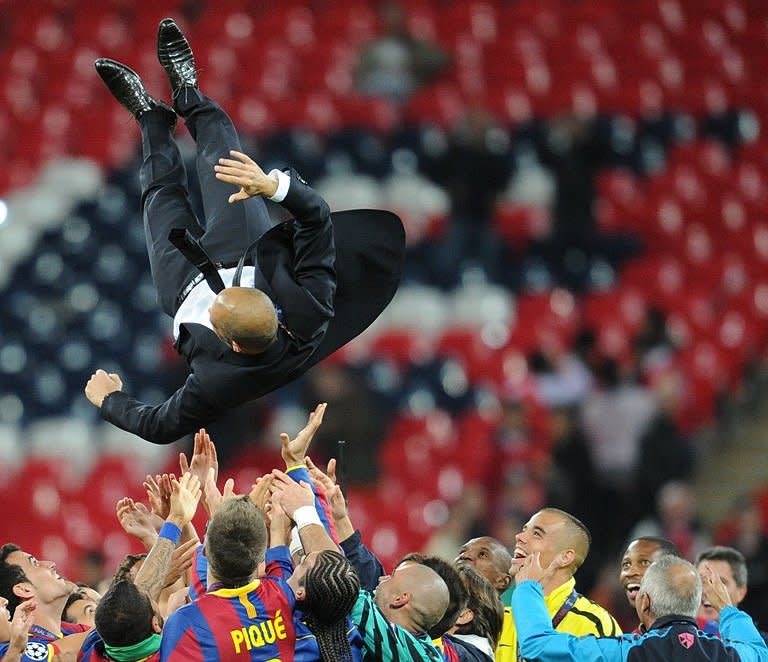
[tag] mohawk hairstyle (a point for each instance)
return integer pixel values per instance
(332, 587)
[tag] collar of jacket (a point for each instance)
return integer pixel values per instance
(671, 619)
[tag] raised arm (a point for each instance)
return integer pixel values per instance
(184, 500)
(305, 296)
(184, 412)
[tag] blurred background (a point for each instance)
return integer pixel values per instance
(584, 317)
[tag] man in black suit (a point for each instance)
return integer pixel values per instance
(316, 282)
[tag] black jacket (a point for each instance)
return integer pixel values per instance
(330, 274)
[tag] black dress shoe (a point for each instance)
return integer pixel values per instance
(127, 87)
(175, 55)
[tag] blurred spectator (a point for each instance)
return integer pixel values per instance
(561, 378)
(474, 170)
(614, 419)
(748, 536)
(92, 571)
(653, 346)
(397, 64)
(676, 520)
(665, 453)
(570, 485)
(353, 415)
(464, 521)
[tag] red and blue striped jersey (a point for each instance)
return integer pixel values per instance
(198, 583)
(253, 622)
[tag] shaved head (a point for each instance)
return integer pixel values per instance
(245, 319)
(573, 535)
(413, 596)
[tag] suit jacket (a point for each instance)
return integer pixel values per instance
(330, 274)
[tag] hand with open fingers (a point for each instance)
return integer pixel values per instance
(714, 590)
(100, 385)
(295, 450)
(333, 493)
(259, 493)
(279, 524)
(294, 496)
(203, 457)
(136, 520)
(213, 498)
(20, 624)
(531, 569)
(244, 172)
(159, 494)
(185, 496)
(181, 561)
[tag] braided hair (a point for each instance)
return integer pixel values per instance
(331, 589)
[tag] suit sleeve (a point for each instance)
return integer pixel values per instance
(363, 560)
(306, 296)
(387, 642)
(739, 632)
(538, 640)
(184, 412)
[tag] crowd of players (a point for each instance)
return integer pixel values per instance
(282, 574)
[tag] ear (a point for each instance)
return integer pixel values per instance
(502, 581)
(24, 590)
(400, 600)
(566, 558)
(300, 593)
(466, 616)
(156, 627)
(741, 593)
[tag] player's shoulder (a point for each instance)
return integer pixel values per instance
(594, 618)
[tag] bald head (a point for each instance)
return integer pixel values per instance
(245, 319)
(671, 585)
(414, 597)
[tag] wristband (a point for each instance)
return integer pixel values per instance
(295, 547)
(170, 531)
(305, 516)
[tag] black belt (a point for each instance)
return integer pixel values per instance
(195, 253)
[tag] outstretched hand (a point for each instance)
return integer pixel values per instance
(203, 458)
(244, 172)
(294, 451)
(327, 483)
(185, 495)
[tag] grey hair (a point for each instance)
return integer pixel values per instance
(670, 591)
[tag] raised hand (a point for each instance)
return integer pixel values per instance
(159, 493)
(295, 450)
(185, 495)
(100, 385)
(213, 497)
(260, 492)
(244, 172)
(203, 458)
(289, 494)
(136, 520)
(181, 561)
(327, 483)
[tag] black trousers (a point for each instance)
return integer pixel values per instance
(227, 229)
